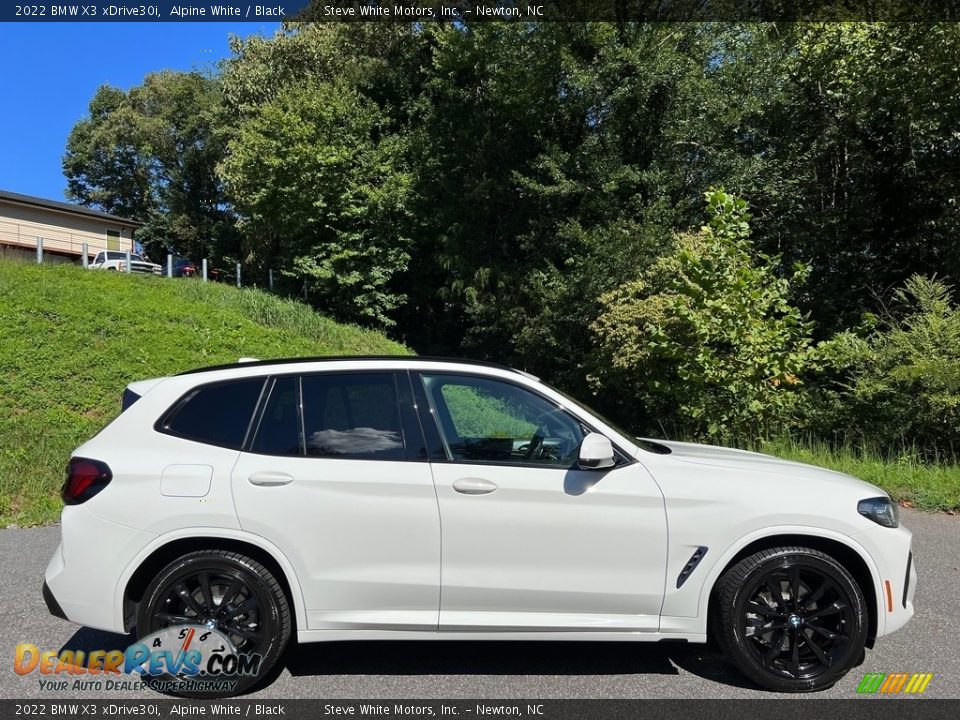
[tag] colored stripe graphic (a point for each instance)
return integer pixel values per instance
(894, 683)
(897, 685)
(871, 683)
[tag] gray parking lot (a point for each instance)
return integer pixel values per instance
(506, 669)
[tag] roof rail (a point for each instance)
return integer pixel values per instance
(334, 358)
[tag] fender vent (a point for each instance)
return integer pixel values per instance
(691, 565)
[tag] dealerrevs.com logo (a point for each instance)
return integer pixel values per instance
(894, 683)
(175, 659)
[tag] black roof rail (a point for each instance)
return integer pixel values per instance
(333, 358)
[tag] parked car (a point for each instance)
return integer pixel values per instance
(117, 260)
(184, 267)
(418, 498)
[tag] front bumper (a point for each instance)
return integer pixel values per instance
(892, 551)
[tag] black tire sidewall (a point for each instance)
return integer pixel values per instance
(257, 578)
(735, 643)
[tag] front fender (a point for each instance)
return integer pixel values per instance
(692, 599)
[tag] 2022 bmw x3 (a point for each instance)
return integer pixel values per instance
(413, 498)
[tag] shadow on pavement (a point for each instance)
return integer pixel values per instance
(473, 658)
(507, 658)
(88, 639)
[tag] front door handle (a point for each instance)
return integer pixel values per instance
(267, 478)
(474, 486)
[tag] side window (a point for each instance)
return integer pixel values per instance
(98, 259)
(352, 416)
(216, 414)
(281, 431)
(486, 420)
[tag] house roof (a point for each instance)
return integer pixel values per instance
(64, 207)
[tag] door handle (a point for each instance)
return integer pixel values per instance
(474, 486)
(267, 478)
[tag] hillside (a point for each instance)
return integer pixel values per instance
(70, 340)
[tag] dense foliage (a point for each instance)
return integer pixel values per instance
(706, 338)
(894, 385)
(530, 193)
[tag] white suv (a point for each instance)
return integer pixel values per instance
(417, 498)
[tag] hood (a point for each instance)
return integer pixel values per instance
(746, 461)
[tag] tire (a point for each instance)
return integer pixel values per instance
(262, 609)
(792, 619)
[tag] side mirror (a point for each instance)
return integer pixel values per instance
(596, 453)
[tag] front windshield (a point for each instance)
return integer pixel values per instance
(648, 445)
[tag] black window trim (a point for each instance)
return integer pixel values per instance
(262, 409)
(429, 428)
(399, 375)
(160, 425)
(623, 459)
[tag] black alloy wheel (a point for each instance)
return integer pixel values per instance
(791, 619)
(225, 591)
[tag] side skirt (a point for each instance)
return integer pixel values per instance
(309, 636)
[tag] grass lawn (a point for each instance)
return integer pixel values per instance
(71, 339)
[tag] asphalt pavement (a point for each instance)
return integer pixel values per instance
(527, 670)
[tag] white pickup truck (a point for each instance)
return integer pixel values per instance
(117, 260)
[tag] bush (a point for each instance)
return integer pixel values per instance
(895, 382)
(707, 338)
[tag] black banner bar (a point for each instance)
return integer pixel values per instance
(469, 11)
(786, 709)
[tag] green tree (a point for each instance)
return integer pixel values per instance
(150, 154)
(894, 382)
(319, 182)
(550, 162)
(844, 142)
(707, 338)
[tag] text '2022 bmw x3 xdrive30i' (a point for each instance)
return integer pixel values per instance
(412, 498)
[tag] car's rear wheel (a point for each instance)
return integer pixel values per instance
(791, 619)
(226, 591)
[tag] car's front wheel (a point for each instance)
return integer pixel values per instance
(223, 591)
(792, 619)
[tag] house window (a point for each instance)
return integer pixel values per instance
(113, 239)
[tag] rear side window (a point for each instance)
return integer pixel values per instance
(352, 416)
(217, 414)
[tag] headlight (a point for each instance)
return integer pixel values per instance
(882, 510)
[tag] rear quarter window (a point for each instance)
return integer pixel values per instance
(215, 414)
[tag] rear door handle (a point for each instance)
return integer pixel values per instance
(267, 478)
(474, 486)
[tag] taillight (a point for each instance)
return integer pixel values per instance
(85, 478)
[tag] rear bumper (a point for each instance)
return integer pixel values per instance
(52, 605)
(80, 583)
